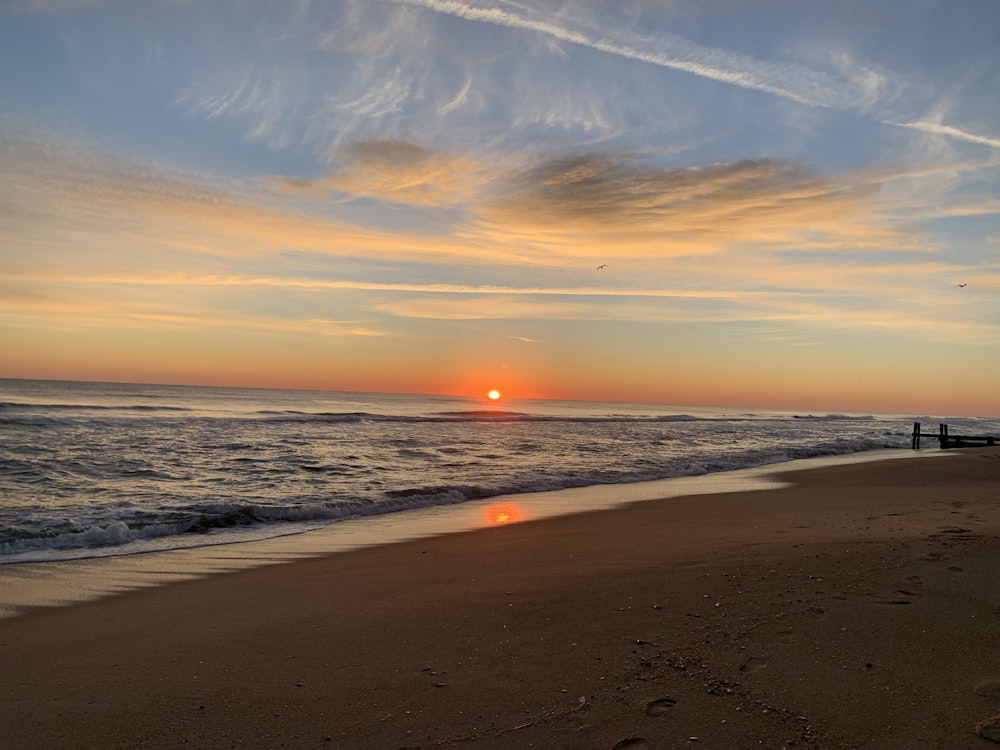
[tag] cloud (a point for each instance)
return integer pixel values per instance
(787, 80)
(937, 128)
(540, 211)
(46, 6)
(88, 302)
(590, 203)
(318, 326)
(153, 321)
(526, 339)
(322, 74)
(749, 240)
(493, 307)
(819, 312)
(974, 207)
(854, 86)
(104, 204)
(79, 275)
(386, 96)
(398, 172)
(458, 101)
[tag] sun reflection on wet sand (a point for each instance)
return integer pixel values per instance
(501, 514)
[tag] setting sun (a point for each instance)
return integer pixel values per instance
(493, 395)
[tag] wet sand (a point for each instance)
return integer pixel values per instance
(858, 608)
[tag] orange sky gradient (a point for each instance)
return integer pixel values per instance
(560, 201)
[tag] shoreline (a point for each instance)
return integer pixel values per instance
(855, 608)
(56, 583)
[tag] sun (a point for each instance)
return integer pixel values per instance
(493, 395)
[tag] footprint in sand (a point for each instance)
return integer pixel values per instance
(914, 590)
(959, 533)
(660, 706)
(988, 687)
(781, 637)
(899, 601)
(956, 569)
(631, 743)
(752, 665)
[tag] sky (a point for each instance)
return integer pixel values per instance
(750, 203)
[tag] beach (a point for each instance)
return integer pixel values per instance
(855, 608)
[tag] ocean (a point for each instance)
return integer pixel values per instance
(106, 469)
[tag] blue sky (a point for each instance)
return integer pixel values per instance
(415, 195)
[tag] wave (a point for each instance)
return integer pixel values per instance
(480, 416)
(31, 414)
(836, 417)
(11, 406)
(215, 523)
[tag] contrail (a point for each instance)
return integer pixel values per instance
(789, 81)
(786, 80)
(948, 130)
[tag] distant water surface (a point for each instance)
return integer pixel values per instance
(96, 469)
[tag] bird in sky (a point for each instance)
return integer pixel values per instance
(603, 265)
(961, 285)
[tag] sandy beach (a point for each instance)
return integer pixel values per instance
(857, 608)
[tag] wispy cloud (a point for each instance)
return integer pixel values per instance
(70, 316)
(526, 339)
(82, 276)
(853, 85)
(567, 206)
(824, 314)
(458, 101)
(937, 128)
(102, 203)
(323, 74)
(540, 211)
(752, 240)
(43, 6)
(588, 204)
(787, 80)
(397, 171)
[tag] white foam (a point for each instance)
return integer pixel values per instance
(48, 584)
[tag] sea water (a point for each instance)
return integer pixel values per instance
(102, 469)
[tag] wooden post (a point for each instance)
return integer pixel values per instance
(916, 436)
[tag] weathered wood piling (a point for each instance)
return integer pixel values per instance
(948, 440)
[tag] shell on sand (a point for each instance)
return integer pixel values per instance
(989, 729)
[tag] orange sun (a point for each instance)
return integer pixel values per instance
(493, 395)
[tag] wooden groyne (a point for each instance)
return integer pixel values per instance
(948, 440)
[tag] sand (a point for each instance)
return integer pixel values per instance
(858, 608)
